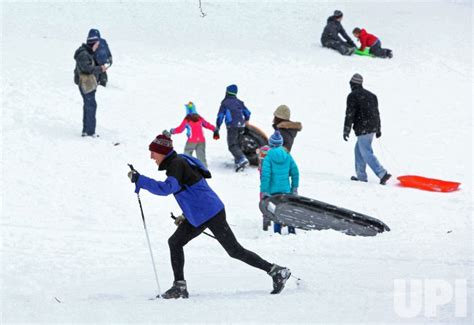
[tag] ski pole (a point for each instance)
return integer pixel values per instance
(147, 238)
(205, 233)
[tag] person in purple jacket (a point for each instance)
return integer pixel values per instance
(201, 208)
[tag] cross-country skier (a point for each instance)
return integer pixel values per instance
(202, 209)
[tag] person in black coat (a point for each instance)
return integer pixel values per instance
(86, 74)
(288, 129)
(330, 37)
(362, 115)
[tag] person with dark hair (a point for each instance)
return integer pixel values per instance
(202, 209)
(288, 129)
(86, 75)
(372, 41)
(194, 123)
(362, 115)
(330, 37)
(236, 116)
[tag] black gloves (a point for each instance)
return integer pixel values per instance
(351, 43)
(345, 136)
(378, 134)
(216, 134)
(133, 175)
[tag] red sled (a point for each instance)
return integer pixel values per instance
(428, 184)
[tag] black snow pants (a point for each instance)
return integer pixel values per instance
(233, 142)
(342, 47)
(221, 230)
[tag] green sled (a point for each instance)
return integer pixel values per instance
(365, 52)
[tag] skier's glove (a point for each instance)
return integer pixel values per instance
(345, 136)
(172, 131)
(378, 134)
(133, 175)
(265, 195)
(179, 220)
(216, 134)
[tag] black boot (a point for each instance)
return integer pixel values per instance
(354, 178)
(385, 178)
(266, 223)
(178, 290)
(279, 275)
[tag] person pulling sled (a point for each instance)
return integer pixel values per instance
(202, 209)
(236, 116)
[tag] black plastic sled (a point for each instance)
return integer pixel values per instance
(308, 214)
(252, 139)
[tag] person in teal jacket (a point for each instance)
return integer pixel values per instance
(277, 169)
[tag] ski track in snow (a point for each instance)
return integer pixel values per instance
(73, 244)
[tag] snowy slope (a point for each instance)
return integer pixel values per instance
(70, 225)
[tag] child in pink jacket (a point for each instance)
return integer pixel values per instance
(194, 123)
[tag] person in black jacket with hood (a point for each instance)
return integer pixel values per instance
(86, 74)
(330, 37)
(362, 114)
(288, 129)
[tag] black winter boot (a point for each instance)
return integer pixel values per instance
(178, 290)
(354, 178)
(385, 178)
(279, 275)
(266, 223)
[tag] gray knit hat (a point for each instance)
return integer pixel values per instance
(282, 112)
(337, 13)
(357, 79)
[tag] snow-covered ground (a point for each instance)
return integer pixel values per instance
(73, 246)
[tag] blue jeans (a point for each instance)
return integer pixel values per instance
(277, 229)
(364, 155)
(89, 109)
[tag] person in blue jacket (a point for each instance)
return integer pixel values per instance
(201, 208)
(236, 116)
(277, 169)
(102, 56)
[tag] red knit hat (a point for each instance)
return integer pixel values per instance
(162, 143)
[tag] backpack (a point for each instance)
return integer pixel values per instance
(197, 165)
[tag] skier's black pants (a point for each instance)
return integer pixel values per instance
(377, 50)
(233, 142)
(221, 230)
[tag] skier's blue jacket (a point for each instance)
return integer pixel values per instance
(186, 180)
(233, 111)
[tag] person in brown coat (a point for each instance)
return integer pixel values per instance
(287, 128)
